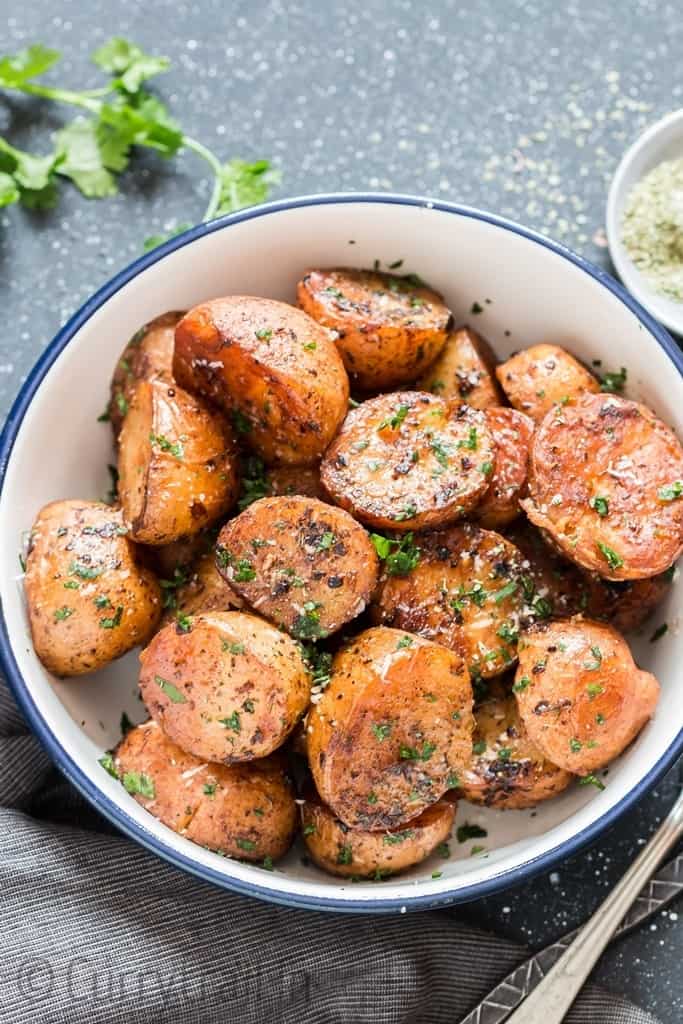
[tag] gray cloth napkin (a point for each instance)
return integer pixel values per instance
(95, 929)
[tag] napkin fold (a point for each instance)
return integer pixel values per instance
(96, 930)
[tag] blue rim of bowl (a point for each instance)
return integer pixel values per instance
(502, 879)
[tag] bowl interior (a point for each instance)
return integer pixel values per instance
(662, 141)
(529, 292)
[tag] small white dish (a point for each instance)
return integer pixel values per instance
(527, 289)
(661, 141)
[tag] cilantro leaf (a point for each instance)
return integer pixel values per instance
(17, 69)
(129, 63)
(81, 159)
(245, 184)
(9, 190)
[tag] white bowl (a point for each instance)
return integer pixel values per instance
(662, 141)
(531, 290)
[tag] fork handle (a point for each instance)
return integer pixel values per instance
(552, 998)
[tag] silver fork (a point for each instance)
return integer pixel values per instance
(548, 982)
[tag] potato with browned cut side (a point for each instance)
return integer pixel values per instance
(563, 589)
(198, 588)
(245, 811)
(224, 686)
(465, 590)
(89, 597)
(354, 853)
(506, 770)
(606, 484)
(512, 432)
(580, 695)
(389, 328)
(409, 461)
(305, 565)
(392, 730)
(464, 371)
(177, 464)
(147, 356)
(272, 368)
(541, 377)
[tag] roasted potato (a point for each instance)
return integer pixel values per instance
(177, 464)
(179, 556)
(147, 356)
(409, 461)
(389, 328)
(562, 589)
(512, 432)
(540, 378)
(272, 367)
(358, 854)
(506, 770)
(392, 730)
(295, 480)
(89, 598)
(466, 591)
(464, 372)
(224, 686)
(580, 695)
(606, 483)
(244, 810)
(198, 589)
(305, 565)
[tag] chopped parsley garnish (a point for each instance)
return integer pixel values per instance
(475, 309)
(71, 585)
(240, 422)
(107, 762)
(319, 664)
(660, 631)
(254, 482)
(601, 505)
(507, 632)
(180, 577)
(232, 722)
(443, 850)
(468, 831)
(394, 421)
(264, 333)
(671, 492)
(307, 626)
(113, 621)
(267, 863)
(174, 448)
(244, 571)
(611, 557)
(407, 512)
(614, 382)
(486, 468)
(479, 747)
(521, 684)
(405, 641)
(413, 754)
(575, 745)
(345, 855)
(326, 541)
(471, 442)
(139, 783)
(248, 706)
(400, 556)
(84, 572)
(505, 753)
(380, 732)
(171, 691)
(101, 601)
(227, 645)
(594, 690)
(592, 666)
(63, 613)
(183, 623)
(440, 451)
(452, 781)
(591, 780)
(600, 719)
(245, 844)
(210, 788)
(392, 838)
(372, 797)
(309, 830)
(310, 346)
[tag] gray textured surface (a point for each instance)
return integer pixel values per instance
(519, 107)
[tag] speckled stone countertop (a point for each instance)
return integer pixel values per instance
(522, 108)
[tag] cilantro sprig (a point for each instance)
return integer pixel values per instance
(114, 119)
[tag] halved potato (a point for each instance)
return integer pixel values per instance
(512, 432)
(606, 484)
(148, 355)
(464, 372)
(466, 591)
(224, 686)
(305, 565)
(541, 377)
(389, 328)
(580, 695)
(243, 810)
(269, 365)
(353, 853)
(177, 464)
(89, 597)
(409, 461)
(392, 730)
(198, 589)
(506, 770)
